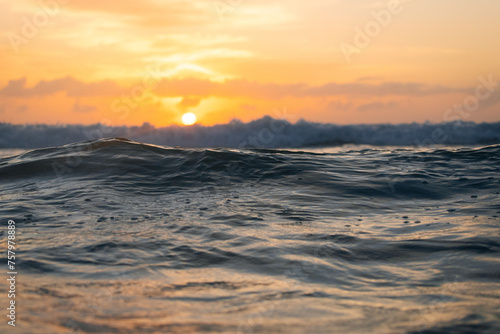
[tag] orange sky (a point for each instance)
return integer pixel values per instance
(129, 62)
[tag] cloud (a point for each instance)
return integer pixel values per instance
(231, 88)
(22, 108)
(147, 13)
(389, 88)
(493, 100)
(201, 88)
(72, 87)
(248, 107)
(77, 107)
(196, 41)
(13, 87)
(339, 105)
(376, 106)
(243, 88)
(188, 102)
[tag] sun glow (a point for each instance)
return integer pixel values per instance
(188, 118)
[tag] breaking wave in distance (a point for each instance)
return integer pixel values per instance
(262, 133)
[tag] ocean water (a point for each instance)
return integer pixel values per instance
(117, 236)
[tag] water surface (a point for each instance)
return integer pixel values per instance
(117, 236)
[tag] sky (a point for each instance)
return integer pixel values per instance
(334, 61)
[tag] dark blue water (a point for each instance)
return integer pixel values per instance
(122, 237)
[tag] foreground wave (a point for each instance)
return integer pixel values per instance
(263, 133)
(119, 236)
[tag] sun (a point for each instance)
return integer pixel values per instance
(188, 118)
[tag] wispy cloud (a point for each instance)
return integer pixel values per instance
(227, 89)
(69, 85)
